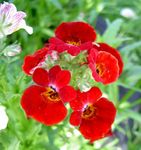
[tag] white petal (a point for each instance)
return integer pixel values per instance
(3, 118)
(27, 28)
(128, 13)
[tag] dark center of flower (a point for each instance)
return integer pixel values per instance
(51, 94)
(73, 43)
(88, 112)
(100, 69)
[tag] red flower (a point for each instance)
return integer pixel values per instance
(112, 51)
(45, 101)
(105, 62)
(93, 114)
(31, 62)
(73, 37)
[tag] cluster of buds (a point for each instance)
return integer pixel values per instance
(58, 70)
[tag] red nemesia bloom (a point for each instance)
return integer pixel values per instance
(93, 114)
(113, 51)
(105, 62)
(45, 101)
(31, 62)
(73, 37)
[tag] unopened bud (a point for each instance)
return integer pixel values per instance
(12, 50)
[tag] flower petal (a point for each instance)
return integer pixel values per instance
(7, 9)
(86, 46)
(53, 72)
(105, 110)
(93, 129)
(57, 44)
(93, 94)
(75, 118)
(94, 73)
(32, 102)
(62, 79)
(23, 25)
(79, 102)
(67, 94)
(75, 30)
(33, 61)
(41, 109)
(55, 113)
(40, 76)
(73, 50)
(3, 118)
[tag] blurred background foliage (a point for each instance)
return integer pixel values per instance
(113, 28)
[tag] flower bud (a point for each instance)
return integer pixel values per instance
(12, 50)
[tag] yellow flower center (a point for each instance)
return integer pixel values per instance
(88, 112)
(51, 94)
(100, 69)
(73, 43)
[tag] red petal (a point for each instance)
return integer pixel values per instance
(67, 93)
(109, 133)
(53, 72)
(62, 79)
(75, 31)
(92, 55)
(75, 118)
(40, 76)
(57, 44)
(60, 46)
(55, 113)
(73, 50)
(41, 109)
(32, 102)
(94, 94)
(56, 41)
(86, 46)
(32, 61)
(94, 73)
(80, 101)
(105, 110)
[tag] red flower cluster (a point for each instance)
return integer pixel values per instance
(45, 100)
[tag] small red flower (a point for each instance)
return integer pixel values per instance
(105, 47)
(93, 114)
(45, 101)
(73, 37)
(105, 62)
(31, 62)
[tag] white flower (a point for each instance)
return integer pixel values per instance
(128, 13)
(12, 20)
(12, 50)
(3, 118)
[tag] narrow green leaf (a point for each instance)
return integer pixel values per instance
(112, 31)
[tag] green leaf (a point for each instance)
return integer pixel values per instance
(112, 31)
(56, 3)
(132, 114)
(131, 47)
